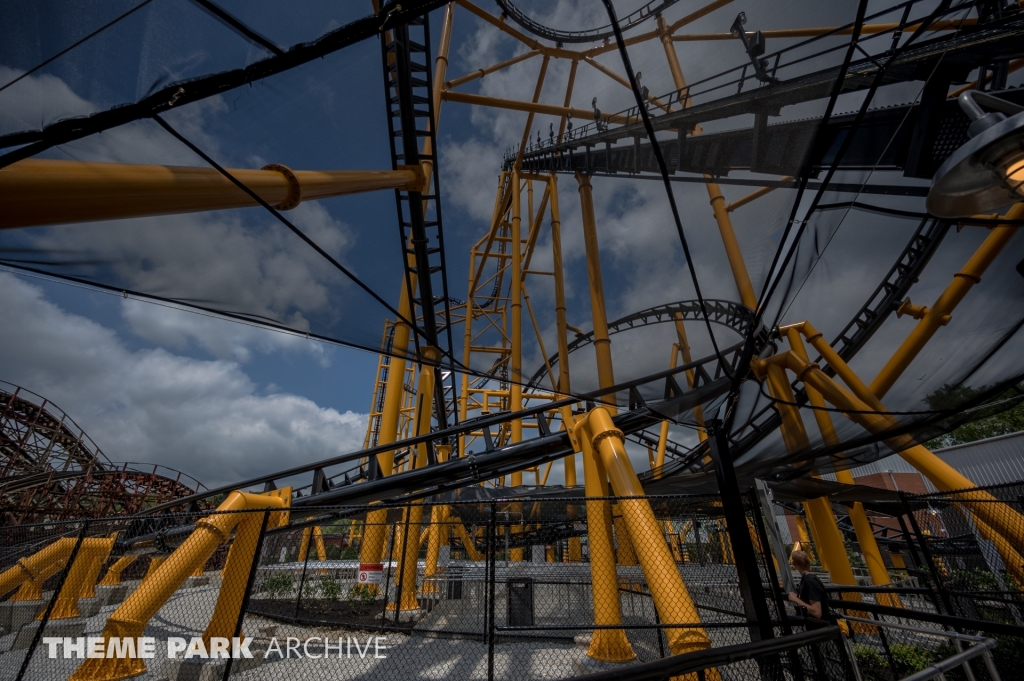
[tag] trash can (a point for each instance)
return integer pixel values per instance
(520, 602)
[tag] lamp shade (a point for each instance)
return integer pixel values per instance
(984, 175)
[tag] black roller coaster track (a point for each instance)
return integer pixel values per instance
(589, 35)
(727, 313)
(711, 382)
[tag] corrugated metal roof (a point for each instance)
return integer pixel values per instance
(985, 462)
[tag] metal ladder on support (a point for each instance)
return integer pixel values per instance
(409, 96)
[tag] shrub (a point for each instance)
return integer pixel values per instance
(330, 588)
(279, 585)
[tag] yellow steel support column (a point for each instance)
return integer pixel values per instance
(684, 350)
(130, 619)
(156, 561)
(89, 585)
(316, 534)
(939, 313)
(66, 605)
(516, 337)
(624, 553)
(409, 530)
(30, 590)
(671, 597)
(606, 645)
(718, 206)
(994, 513)
(45, 192)
(804, 537)
(861, 525)
(562, 329)
(372, 548)
(439, 531)
(819, 511)
(38, 567)
(602, 344)
(467, 541)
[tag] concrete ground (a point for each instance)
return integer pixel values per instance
(446, 644)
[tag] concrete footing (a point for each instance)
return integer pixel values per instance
(15, 615)
(113, 595)
(193, 582)
(89, 607)
(213, 670)
(70, 628)
(584, 666)
(205, 670)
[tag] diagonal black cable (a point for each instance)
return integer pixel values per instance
(847, 141)
(282, 219)
(663, 167)
(76, 44)
(805, 170)
(237, 26)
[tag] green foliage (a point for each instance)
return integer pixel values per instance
(906, 659)
(350, 553)
(279, 585)
(871, 664)
(909, 659)
(1006, 415)
(333, 552)
(362, 596)
(330, 588)
(311, 589)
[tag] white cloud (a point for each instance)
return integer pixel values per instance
(206, 418)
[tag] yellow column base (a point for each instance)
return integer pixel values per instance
(113, 668)
(31, 590)
(610, 645)
(408, 602)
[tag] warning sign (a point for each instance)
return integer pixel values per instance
(370, 573)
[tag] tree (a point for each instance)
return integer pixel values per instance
(1005, 415)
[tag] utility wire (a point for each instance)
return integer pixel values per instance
(662, 166)
(67, 49)
(285, 221)
(237, 26)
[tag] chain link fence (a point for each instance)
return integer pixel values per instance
(524, 588)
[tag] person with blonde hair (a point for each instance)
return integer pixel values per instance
(812, 595)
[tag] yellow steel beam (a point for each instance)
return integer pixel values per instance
(996, 514)
(606, 645)
(858, 516)
(625, 83)
(602, 344)
(939, 313)
(668, 591)
(480, 73)
(113, 576)
(729, 240)
(130, 619)
(753, 196)
(41, 192)
(532, 107)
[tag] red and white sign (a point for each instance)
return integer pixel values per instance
(370, 573)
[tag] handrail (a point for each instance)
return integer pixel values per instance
(948, 620)
(983, 648)
(677, 665)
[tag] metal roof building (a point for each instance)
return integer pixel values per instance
(992, 461)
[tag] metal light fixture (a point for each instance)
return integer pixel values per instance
(986, 174)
